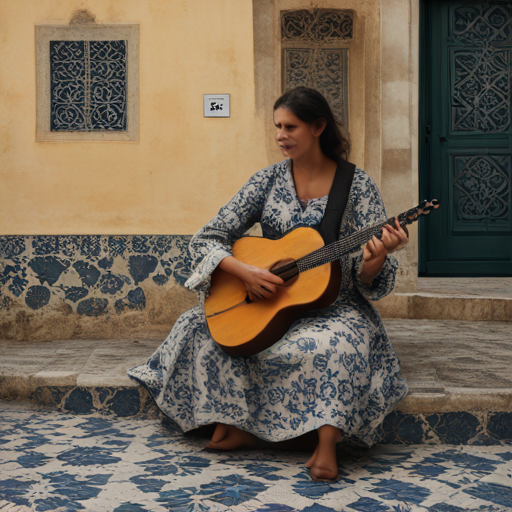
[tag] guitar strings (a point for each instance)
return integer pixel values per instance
(351, 243)
(338, 249)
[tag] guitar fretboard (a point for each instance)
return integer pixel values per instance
(340, 248)
(353, 242)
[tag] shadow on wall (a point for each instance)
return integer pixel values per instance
(56, 287)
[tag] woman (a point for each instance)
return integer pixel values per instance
(334, 371)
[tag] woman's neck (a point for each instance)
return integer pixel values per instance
(313, 176)
(313, 164)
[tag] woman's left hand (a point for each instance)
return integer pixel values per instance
(393, 239)
(375, 251)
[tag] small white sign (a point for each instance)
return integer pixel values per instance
(216, 105)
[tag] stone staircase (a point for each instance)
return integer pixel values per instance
(454, 340)
(472, 299)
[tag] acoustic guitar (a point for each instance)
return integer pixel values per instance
(311, 273)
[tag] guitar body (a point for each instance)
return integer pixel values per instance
(252, 327)
(243, 327)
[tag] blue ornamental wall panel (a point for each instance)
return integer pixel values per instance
(94, 274)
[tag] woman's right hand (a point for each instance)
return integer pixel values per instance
(259, 282)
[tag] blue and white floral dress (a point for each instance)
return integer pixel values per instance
(334, 366)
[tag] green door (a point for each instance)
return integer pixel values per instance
(466, 138)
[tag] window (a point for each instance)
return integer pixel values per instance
(315, 53)
(87, 83)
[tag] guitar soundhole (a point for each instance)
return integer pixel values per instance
(281, 263)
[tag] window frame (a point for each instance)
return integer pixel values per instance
(45, 33)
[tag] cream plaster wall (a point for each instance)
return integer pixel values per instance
(184, 166)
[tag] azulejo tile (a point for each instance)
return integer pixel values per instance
(398, 428)
(37, 297)
(79, 401)
(403, 428)
(140, 267)
(454, 427)
(11, 246)
(92, 307)
(124, 402)
(87, 270)
(54, 461)
(499, 425)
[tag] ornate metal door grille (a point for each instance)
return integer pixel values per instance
(481, 96)
(315, 53)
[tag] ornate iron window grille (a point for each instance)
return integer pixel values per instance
(315, 53)
(88, 85)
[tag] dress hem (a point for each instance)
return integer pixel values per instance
(296, 433)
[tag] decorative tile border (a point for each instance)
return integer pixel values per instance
(453, 428)
(93, 274)
(464, 427)
(122, 402)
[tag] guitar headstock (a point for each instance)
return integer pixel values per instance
(415, 213)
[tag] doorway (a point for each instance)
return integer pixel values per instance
(466, 137)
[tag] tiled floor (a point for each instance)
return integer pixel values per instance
(57, 462)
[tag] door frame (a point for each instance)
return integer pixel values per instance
(424, 119)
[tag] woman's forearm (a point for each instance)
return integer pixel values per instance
(233, 266)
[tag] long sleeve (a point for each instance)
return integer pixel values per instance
(213, 242)
(367, 211)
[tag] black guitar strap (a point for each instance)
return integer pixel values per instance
(337, 201)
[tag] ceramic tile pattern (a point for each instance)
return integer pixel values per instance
(56, 462)
(93, 274)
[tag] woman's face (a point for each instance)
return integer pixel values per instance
(295, 137)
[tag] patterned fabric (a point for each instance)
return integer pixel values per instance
(334, 366)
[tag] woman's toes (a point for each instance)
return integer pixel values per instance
(221, 431)
(232, 438)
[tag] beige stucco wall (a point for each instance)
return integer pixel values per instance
(183, 167)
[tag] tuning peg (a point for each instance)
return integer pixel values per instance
(423, 204)
(435, 202)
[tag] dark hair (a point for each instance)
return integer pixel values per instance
(309, 106)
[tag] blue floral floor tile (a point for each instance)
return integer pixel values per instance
(51, 461)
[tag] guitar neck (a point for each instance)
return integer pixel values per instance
(340, 248)
(354, 242)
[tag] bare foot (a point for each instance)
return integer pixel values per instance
(221, 431)
(228, 437)
(323, 464)
(311, 460)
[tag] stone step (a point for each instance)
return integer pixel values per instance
(471, 299)
(460, 383)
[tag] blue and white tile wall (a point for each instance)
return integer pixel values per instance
(95, 275)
